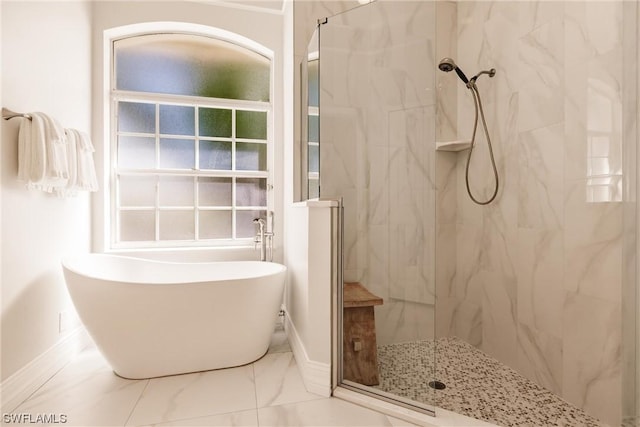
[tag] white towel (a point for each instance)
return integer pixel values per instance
(82, 173)
(32, 151)
(53, 159)
(71, 188)
(46, 166)
(56, 145)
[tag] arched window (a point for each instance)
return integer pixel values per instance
(191, 140)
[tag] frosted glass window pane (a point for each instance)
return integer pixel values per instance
(314, 158)
(314, 189)
(244, 222)
(215, 155)
(177, 153)
(136, 117)
(214, 191)
(136, 152)
(214, 122)
(599, 146)
(177, 225)
(251, 191)
(137, 191)
(137, 226)
(314, 128)
(176, 191)
(177, 120)
(185, 64)
(313, 73)
(251, 124)
(215, 225)
(251, 157)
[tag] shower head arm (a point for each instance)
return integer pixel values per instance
(491, 73)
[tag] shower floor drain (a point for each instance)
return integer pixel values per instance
(437, 385)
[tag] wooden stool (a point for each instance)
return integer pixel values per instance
(360, 355)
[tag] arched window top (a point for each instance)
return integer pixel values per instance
(193, 65)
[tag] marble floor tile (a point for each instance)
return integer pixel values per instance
(278, 381)
(268, 392)
(279, 342)
(322, 412)
(194, 395)
(87, 392)
(241, 419)
(397, 422)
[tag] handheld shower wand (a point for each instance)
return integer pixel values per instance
(447, 65)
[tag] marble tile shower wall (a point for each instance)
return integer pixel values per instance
(538, 274)
(378, 134)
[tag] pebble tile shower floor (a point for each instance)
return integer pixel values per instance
(477, 385)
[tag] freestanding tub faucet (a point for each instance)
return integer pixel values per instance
(261, 237)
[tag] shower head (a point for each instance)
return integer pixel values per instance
(447, 65)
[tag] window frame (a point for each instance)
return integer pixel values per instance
(113, 208)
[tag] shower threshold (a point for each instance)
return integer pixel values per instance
(440, 418)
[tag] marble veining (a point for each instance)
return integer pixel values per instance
(538, 275)
(389, 96)
(522, 278)
(268, 392)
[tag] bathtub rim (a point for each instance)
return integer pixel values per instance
(70, 263)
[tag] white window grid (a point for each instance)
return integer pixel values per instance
(195, 172)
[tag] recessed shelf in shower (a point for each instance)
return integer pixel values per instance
(458, 145)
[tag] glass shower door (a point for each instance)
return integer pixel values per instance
(377, 139)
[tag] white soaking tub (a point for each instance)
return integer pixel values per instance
(157, 318)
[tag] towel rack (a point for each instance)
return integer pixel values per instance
(8, 114)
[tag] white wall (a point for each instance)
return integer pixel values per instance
(310, 251)
(46, 66)
(264, 27)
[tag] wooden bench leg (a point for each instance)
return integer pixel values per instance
(360, 347)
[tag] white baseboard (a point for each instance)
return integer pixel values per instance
(19, 386)
(315, 375)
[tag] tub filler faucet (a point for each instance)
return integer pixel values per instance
(262, 236)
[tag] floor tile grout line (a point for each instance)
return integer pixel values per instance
(172, 421)
(255, 391)
(135, 405)
(41, 386)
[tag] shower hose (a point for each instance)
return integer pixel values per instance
(478, 107)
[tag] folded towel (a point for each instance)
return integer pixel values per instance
(87, 178)
(56, 145)
(71, 188)
(24, 151)
(32, 151)
(53, 159)
(82, 173)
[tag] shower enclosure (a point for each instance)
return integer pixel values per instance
(377, 137)
(537, 287)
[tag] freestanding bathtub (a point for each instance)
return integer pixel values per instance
(157, 318)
